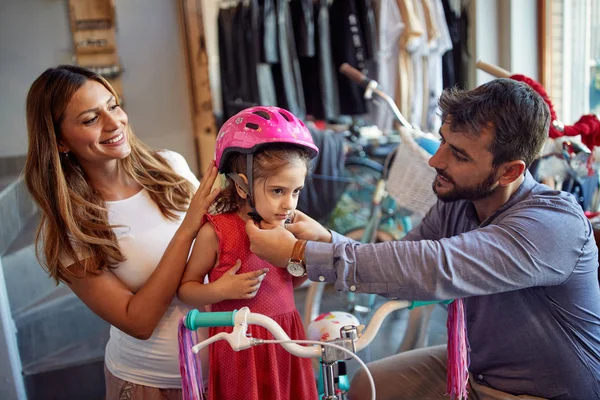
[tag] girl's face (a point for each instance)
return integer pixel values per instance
(93, 127)
(276, 197)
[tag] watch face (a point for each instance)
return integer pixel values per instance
(295, 269)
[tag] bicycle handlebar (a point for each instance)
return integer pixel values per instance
(240, 319)
(417, 303)
(372, 87)
(196, 319)
(354, 74)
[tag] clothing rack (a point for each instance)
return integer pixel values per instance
(290, 57)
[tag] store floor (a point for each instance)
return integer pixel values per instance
(388, 339)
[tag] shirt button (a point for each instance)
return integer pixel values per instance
(322, 278)
(480, 377)
(352, 288)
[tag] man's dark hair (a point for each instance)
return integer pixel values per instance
(517, 115)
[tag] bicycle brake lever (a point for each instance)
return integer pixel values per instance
(237, 339)
(197, 347)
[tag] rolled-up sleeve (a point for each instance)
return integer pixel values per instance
(321, 261)
(497, 258)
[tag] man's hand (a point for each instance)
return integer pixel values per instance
(235, 286)
(304, 227)
(274, 244)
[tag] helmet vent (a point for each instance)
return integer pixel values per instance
(252, 126)
(286, 116)
(263, 114)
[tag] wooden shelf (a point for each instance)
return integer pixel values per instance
(99, 50)
(91, 14)
(94, 39)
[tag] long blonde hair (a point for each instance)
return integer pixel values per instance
(74, 215)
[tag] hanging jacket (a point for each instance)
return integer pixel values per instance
(321, 192)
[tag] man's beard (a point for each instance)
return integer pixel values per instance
(480, 191)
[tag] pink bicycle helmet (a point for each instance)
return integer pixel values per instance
(254, 127)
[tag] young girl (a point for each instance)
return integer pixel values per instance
(264, 152)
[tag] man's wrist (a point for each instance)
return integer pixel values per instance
(296, 265)
(303, 253)
(297, 252)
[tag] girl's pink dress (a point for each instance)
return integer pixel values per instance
(266, 371)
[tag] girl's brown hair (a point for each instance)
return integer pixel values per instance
(265, 163)
(74, 216)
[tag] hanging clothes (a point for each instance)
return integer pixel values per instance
(408, 45)
(348, 45)
(318, 74)
(432, 35)
(440, 44)
(366, 16)
(239, 85)
(292, 95)
(327, 72)
(302, 14)
(389, 29)
(266, 20)
(251, 34)
(269, 32)
(455, 69)
(448, 59)
(303, 21)
(228, 60)
(465, 53)
(324, 186)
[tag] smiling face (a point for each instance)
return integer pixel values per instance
(276, 196)
(464, 166)
(94, 127)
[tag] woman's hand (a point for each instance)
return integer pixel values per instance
(235, 286)
(304, 227)
(200, 203)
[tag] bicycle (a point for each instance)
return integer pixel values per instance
(383, 221)
(328, 352)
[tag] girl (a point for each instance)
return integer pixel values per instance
(264, 152)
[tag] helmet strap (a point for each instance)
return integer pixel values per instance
(253, 214)
(239, 181)
(247, 188)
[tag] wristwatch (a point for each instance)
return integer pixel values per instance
(295, 265)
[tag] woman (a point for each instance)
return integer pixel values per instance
(114, 224)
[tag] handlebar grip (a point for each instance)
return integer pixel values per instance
(354, 74)
(196, 319)
(426, 303)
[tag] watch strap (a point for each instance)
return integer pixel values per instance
(298, 251)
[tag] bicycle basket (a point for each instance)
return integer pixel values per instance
(411, 177)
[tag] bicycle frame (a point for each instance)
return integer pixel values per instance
(376, 213)
(328, 352)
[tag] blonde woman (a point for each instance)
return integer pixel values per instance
(118, 222)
